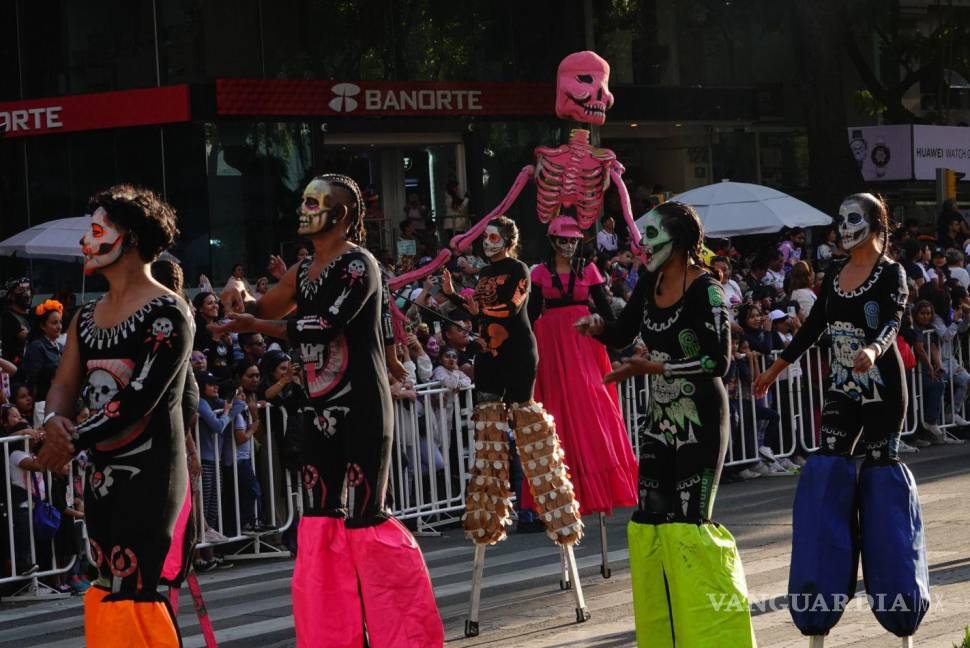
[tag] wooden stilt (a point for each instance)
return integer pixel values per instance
(478, 568)
(582, 612)
(605, 566)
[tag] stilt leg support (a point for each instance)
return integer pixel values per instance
(605, 566)
(907, 642)
(564, 581)
(478, 568)
(816, 641)
(582, 612)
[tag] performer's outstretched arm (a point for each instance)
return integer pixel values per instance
(622, 331)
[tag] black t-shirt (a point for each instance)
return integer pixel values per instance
(11, 346)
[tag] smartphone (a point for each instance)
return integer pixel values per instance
(791, 311)
(437, 328)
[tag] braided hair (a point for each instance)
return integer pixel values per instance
(355, 212)
(877, 212)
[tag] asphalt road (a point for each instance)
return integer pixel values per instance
(523, 605)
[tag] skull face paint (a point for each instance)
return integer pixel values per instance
(582, 88)
(102, 245)
(853, 224)
(315, 207)
(564, 245)
(494, 242)
(656, 243)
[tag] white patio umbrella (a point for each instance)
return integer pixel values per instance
(738, 208)
(57, 240)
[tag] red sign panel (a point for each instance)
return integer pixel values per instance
(386, 98)
(166, 105)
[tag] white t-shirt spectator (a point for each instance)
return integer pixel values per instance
(734, 297)
(805, 299)
(774, 279)
(22, 478)
(823, 251)
(607, 242)
(961, 275)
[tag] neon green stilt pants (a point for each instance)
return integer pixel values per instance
(688, 587)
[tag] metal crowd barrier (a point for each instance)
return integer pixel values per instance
(431, 455)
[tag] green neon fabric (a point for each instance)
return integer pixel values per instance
(705, 592)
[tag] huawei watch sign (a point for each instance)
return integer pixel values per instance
(381, 98)
(347, 97)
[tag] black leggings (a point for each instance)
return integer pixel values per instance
(879, 424)
(680, 469)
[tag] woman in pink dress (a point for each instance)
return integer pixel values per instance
(570, 379)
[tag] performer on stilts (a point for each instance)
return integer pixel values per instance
(682, 563)
(358, 569)
(127, 356)
(570, 385)
(860, 305)
(505, 372)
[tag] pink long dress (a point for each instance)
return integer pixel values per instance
(587, 412)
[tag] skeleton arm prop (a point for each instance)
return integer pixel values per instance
(616, 175)
(463, 242)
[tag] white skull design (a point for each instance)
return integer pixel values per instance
(356, 268)
(854, 226)
(101, 388)
(162, 328)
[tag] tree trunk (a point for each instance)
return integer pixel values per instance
(819, 41)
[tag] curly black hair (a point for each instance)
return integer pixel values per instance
(149, 223)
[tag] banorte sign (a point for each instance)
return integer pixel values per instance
(149, 106)
(381, 98)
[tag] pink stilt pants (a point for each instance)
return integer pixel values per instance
(346, 577)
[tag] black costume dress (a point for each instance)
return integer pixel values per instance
(873, 402)
(686, 432)
(340, 335)
(506, 369)
(135, 374)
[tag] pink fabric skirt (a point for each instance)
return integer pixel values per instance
(587, 412)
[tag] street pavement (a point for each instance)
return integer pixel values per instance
(523, 606)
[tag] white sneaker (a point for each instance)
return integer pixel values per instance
(935, 433)
(774, 470)
(767, 454)
(761, 468)
(905, 448)
(747, 474)
(950, 439)
(789, 465)
(959, 420)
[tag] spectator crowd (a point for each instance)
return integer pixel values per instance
(252, 397)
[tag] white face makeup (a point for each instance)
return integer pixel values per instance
(854, 227)
(564, 245)
(102, 245)
(656, 242)
(493, 242)
(314, 209)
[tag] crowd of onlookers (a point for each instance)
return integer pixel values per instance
(251, 393)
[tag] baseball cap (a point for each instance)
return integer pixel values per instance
(777, 314)
(206, 378)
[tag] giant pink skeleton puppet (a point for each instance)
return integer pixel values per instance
(570, 179)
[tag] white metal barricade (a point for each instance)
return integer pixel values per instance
(19, 531)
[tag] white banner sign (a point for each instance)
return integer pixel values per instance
(940, 147)
(883, 152)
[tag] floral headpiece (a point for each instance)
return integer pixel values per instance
(48, 306)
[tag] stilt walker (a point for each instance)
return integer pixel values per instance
(505, 370)
(681, 562)
(570, 382)
(839, 512)
(130, 365)
(358, 570)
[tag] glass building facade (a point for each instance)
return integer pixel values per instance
(699, 97)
